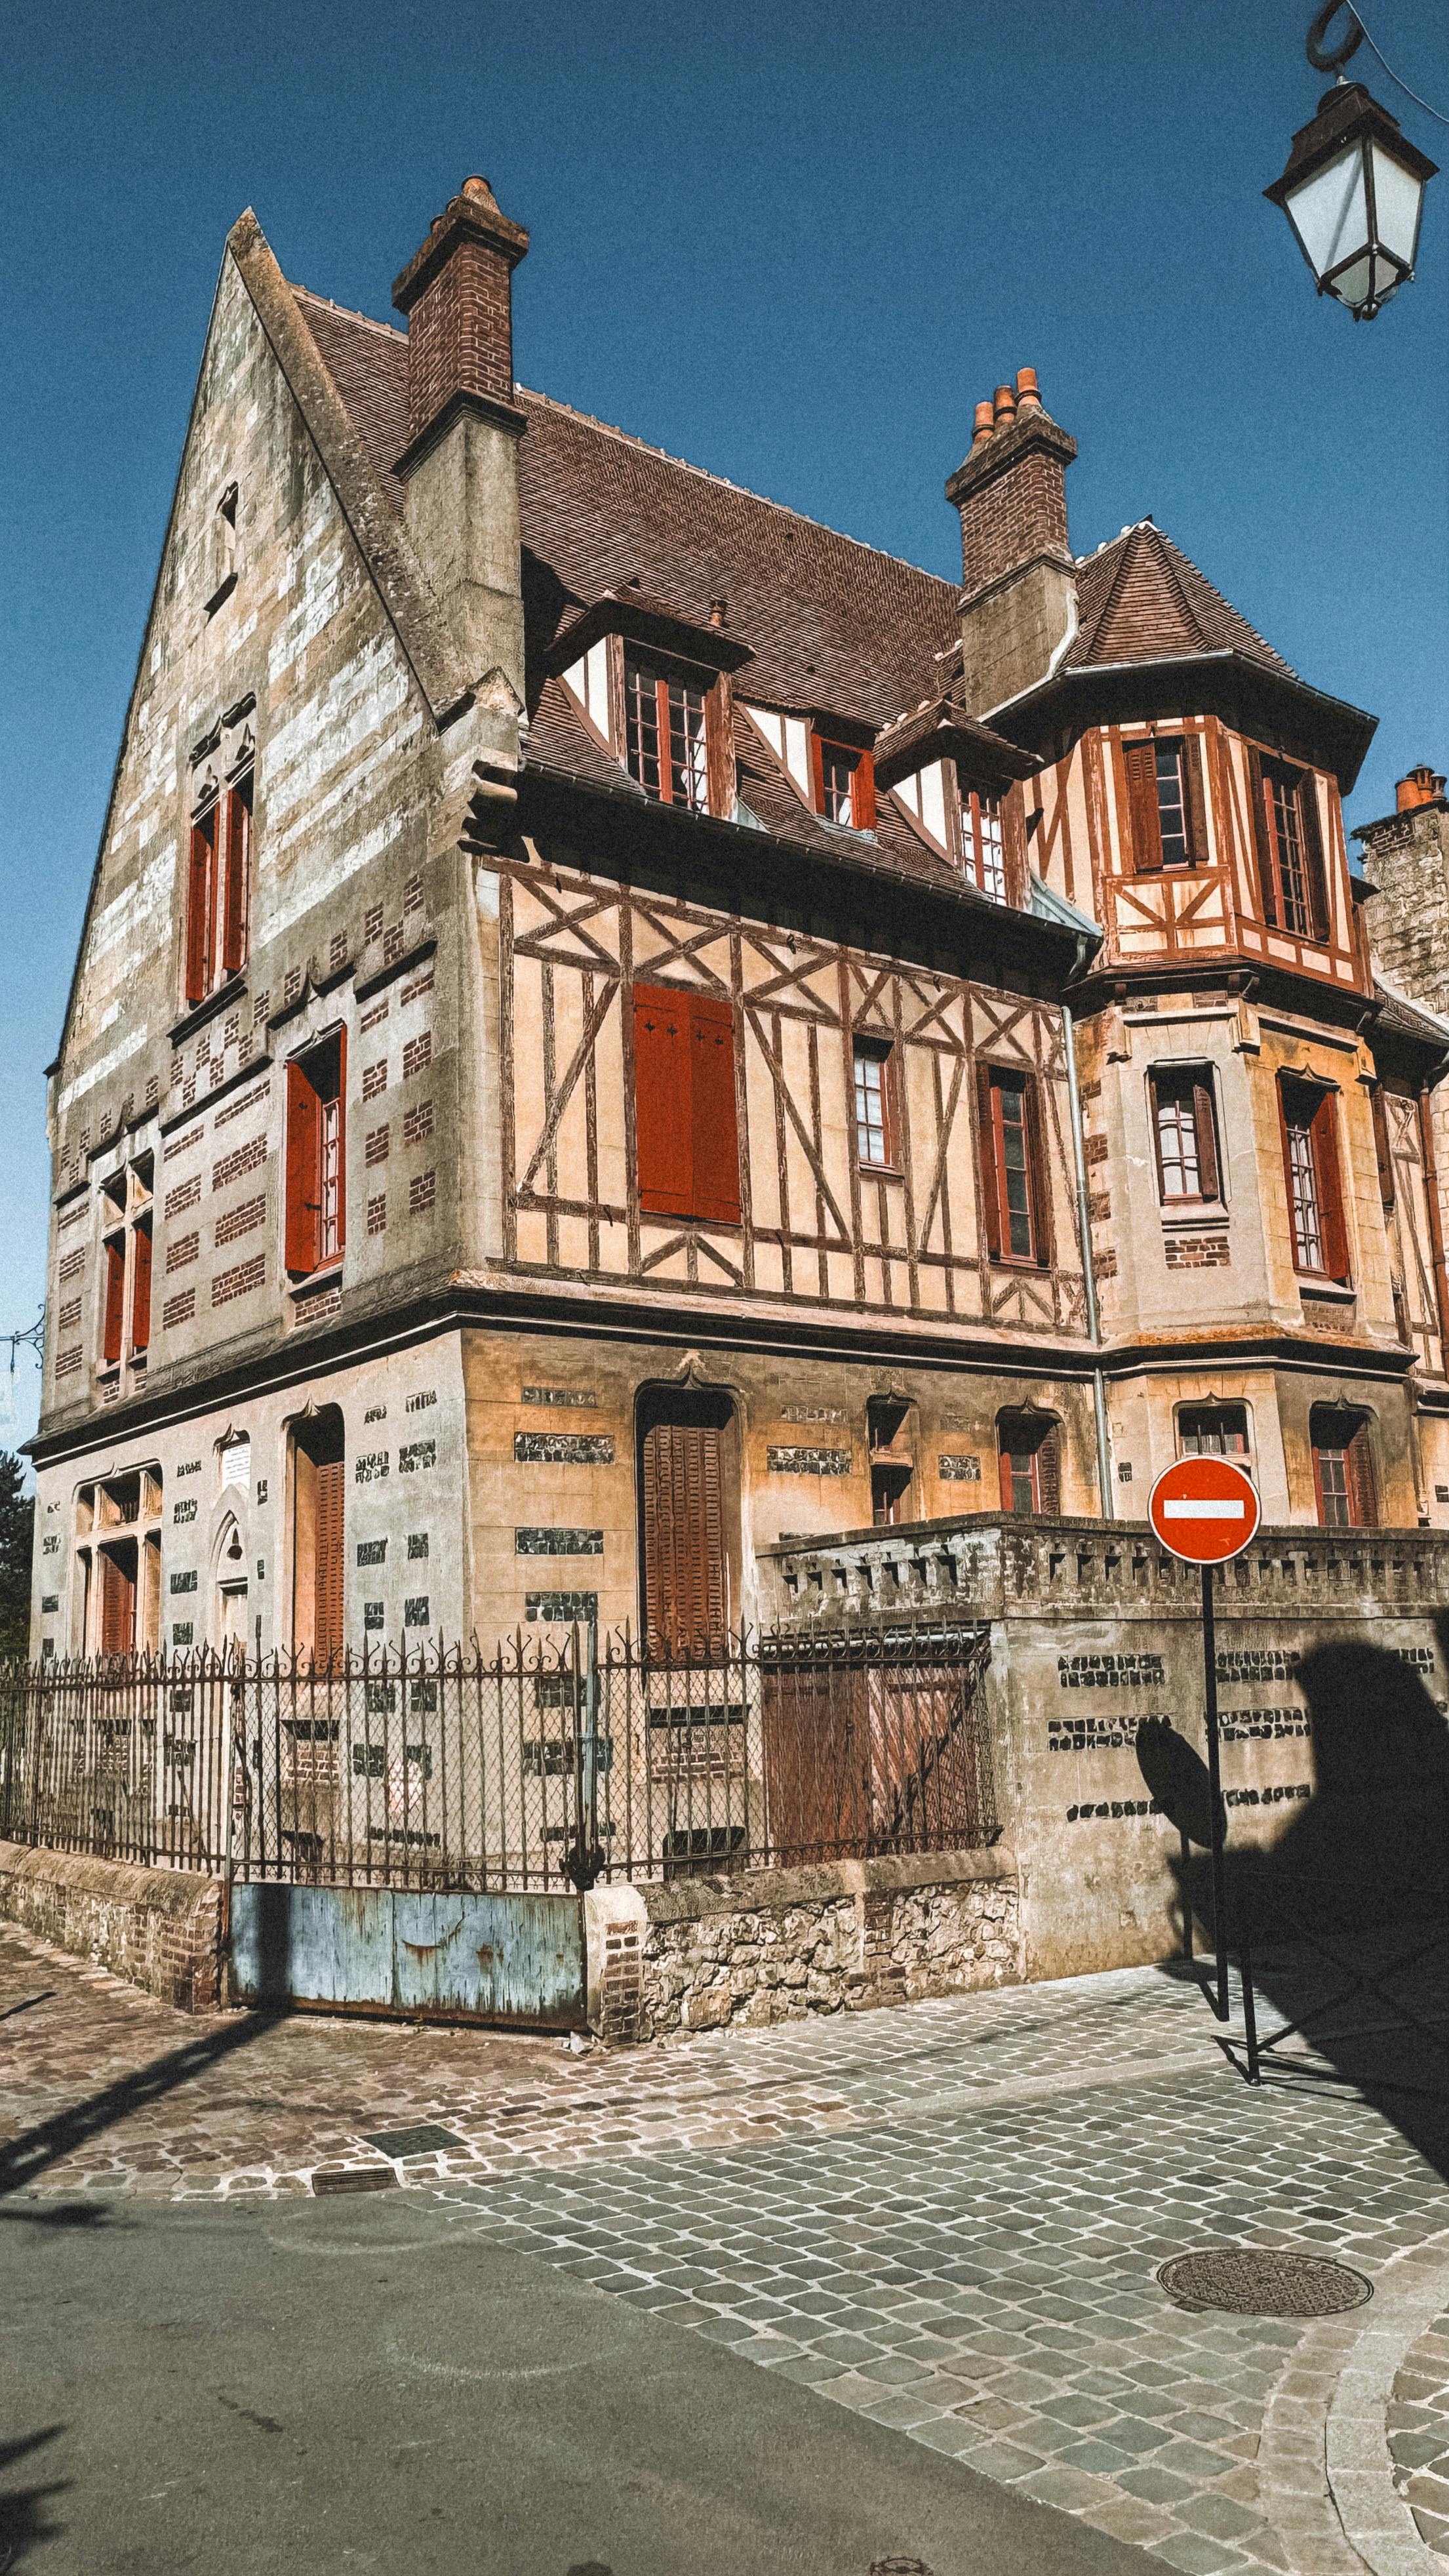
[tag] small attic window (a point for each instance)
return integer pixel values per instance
(222, 565)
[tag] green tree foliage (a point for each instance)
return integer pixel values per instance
(17, 1539)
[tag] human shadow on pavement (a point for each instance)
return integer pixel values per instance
(1345, 1917)
(24, 2514)
(29, 2155)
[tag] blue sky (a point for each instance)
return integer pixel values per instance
(795, 245)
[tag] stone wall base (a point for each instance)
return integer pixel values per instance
(776, 1945)
(160, 1928)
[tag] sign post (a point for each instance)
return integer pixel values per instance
(1205, 1511)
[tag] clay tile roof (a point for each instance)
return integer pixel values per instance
(1408, 1019)
(1140, 599)
(835, 625)
(958, 733)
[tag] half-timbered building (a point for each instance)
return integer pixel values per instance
(615, 1024)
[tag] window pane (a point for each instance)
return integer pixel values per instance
(1333, 1483)
(837, 781)
(1015, 1169)
(1306, 1212)
(331, 1178)
(641, 726)
(1213, 1431)
(688, 773)
(981, 844)
(870, 1107)
(1171, 805)
(1288, 849)
(1177, 1143)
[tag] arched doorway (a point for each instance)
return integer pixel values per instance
(688, 1486)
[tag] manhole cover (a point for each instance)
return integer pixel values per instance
(1262, 2281)
(427, 2139)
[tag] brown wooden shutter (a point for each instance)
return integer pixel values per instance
(1049, 1472)
(141, 1288)
(114, 1319)
(303, 1222)
(118, 1605)
(862, 793)
(236, 879)
(990, 1159)
(1197, 836)
(714, 1194)
(1383, 1152)
(1313, 867)
(685, 1579)
(1140, 759)
(1041, 1220)
(663, 1125)
(1330, 1187)
(1003, 1463)
(1359, 1471)
(1263, 843)
(199, 907)
(1205, 1125)
(327, 1637)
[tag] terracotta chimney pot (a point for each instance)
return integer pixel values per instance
(1004, 407)
(1028, 396)
(984, 423)
(1420, 787)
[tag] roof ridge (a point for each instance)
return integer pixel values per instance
(1223, 600)
(1088, 642)
(1172, 556)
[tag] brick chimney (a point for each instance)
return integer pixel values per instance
(1421, 787)
(1019, 602)
(460, 466)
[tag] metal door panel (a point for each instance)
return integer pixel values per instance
(457, 1957)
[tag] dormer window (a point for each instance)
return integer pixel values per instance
(665, 746)
(218, 895)
(843, 782)
(965, 823)
(982, 856)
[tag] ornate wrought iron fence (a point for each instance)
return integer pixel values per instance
(541, 1765)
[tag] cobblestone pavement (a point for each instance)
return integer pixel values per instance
(949, 2217)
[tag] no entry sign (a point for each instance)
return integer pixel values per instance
(1204, 1509)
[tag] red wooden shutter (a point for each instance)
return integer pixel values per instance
(685, 1584)
(118, 1605)
(114, 1320)
(199, 907)
(1207, 1136)
(817, 773)
(1313, 868)
(1197, 839)
(990, 1159)
(1330, 1188)
(1003, 1464)
(1140, 759)
(663, 1127)
(1049, 1472)
(1041, 1226)
(303, 1222)
(328, 1560)
(1383, 1153)
(236, 879)
(1359, 1471)
(1264, 838)
(862, 794)
(141, 1288)
(714, 1134)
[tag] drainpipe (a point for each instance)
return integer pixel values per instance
(1089, 1284)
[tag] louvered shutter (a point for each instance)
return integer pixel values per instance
(1383, 1152)
(1313, 868)
(1140, 760)
(199, 907)
(236, 879)
(1359, 1470)
(1263, 840)
(862, 794)
(1205, 1127)
(328, 1560)
(663, 1123)
(685, 1575)
(990, 1159)
(1041, 1224)
(118, 1605)
(113, 1323)
(304, 1175)
(1197, 837)
(1049, 1473)
(141, 1288)
(714, 1134)
(1330, 1187)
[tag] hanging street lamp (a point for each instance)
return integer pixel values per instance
(1353, 190)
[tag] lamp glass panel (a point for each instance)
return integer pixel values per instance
(1354, 286)
(1397, 197)
(1329, 211)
